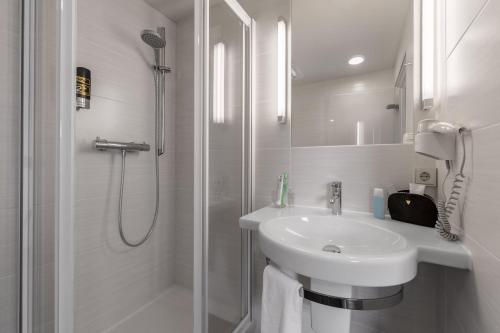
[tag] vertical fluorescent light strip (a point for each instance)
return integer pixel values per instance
(281, 72)
(218, 83)
(428, 45)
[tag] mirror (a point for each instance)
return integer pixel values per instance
(351, 72)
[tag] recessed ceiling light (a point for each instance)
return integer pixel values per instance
(356, 60)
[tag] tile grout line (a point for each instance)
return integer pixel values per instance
(474, 19)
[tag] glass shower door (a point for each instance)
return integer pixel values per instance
(10, 162)
(227, 128)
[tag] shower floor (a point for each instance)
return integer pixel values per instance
(170, 312)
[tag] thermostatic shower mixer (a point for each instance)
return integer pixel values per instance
(103, 145)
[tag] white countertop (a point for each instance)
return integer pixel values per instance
(431, 248)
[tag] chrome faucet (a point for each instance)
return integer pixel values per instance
(336, 197)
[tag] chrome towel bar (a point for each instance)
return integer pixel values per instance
(352, 303)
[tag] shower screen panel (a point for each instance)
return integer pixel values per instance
(228, 138)
(10, 162)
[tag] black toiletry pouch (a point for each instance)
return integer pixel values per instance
(413, 208)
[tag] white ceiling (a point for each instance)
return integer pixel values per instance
(173, 9)
(327, 33)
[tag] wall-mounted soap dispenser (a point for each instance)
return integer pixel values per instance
(83, 86)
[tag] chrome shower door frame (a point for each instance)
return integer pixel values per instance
(25, 264)
(201, 160)
(66, 105)
(63, 288)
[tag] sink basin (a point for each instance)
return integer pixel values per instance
(339, 249)
(353, 238)
(361, 250)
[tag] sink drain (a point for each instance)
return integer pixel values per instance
(331, 248)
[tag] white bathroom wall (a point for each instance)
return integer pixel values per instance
(272, 139)
(113, 280)
(10, 145)
(359, 168)
(472, 299)
(326, 113)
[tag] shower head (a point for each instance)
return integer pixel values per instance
(154, 40)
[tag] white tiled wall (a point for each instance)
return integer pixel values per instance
(10, 145)
(472, 299)
(459, 16)
(359, 168)
(272, 139)
(113, 280)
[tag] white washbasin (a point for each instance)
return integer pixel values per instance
(369, 255)
(373, 253)
(311, 234)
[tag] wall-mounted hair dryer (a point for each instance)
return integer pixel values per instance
(437, 140)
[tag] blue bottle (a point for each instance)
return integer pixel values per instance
(378, 203)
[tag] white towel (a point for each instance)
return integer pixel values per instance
(281, 303)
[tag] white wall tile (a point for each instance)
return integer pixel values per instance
(473, 297)
(459, 16)
(480, 211)
(270, 164)
(360, 168)
(472, 300)
(472, 72)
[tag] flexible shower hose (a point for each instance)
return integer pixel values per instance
(120, 204)
(158, 76)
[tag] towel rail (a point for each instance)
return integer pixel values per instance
(352, 303)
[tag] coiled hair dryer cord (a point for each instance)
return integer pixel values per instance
(446, 207)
